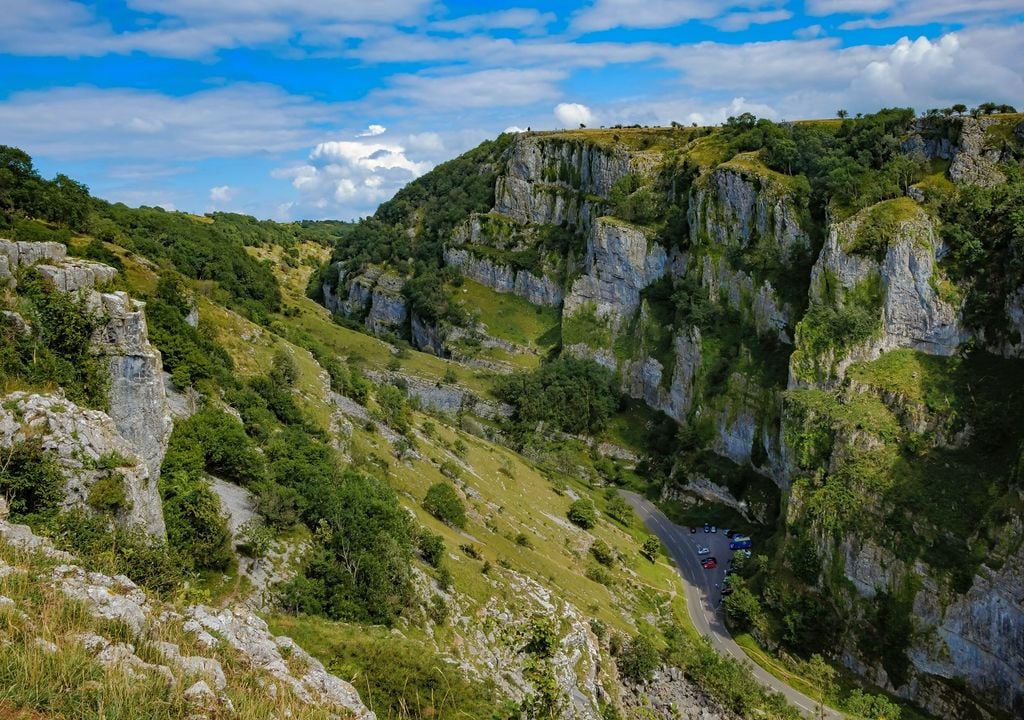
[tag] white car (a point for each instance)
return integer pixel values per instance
(714, 529)
(703, 550)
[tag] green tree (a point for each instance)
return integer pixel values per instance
(871, 707)
(195, 525)
(620, 510)
(444, 503)
(583, 513)
(30, 478)
(823, 677)
(639, 659)
(650, 548)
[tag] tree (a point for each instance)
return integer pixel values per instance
(872, 707)
(444, 503)
(959, 108)
(639, 659)
(67, 202)
(650, 548)
(620, 509)
(823, 677)
(842, 114)
(583, 513)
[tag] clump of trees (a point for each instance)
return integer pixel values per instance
(568, 394)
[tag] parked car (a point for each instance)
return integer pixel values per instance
(707, 528)
(714, 529)
(709, 563)
(726, 591)
(737, 544)
(693, 529)
(703, 550)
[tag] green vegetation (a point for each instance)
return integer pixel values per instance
(639, 659)
(444, 503)
(583, 513)
(879, 225)
(983, 228)
(571, 395)
(59, 349)
(30, 478)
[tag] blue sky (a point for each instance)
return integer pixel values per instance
(297, 109)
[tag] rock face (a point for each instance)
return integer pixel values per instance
(79, 438)
(249, 636)
(903, 288)
(671, 695)
(621, 261)
(642, 380)
(375, 296)
(539, 290)
(138, 400)
(554, 182)
(734, 207)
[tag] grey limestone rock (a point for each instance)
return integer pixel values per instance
(78, 438)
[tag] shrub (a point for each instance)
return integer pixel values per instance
(30, 478)
(650, 548)
(583, 513)
(107, 494)
(639, 659)
(451, 469)
(430, 546)
(523, 540)
(195, 526)
(444, 503)
(603, 553)
(255, 538)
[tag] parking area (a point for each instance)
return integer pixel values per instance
(718, 546)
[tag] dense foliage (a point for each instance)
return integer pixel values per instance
(30, 479)
(568, 394)
(444, 503)
(59, 348)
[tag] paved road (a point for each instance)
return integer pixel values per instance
(702, 595)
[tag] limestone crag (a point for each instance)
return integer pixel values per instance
(426, 337)
(976, 159)
(78, 439)
(733, 207)
(375, 296)
(540, 290)
(553, 182)
(642, 379)
(137, 399)
(671, 695)
(441, 397)
(73, 274)
(912, 314)
(621, 261)
(1013, 345)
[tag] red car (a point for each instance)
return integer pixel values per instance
(709, 564)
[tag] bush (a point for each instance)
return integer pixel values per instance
(107, 494)
(583, 513)
(603, 553)
(444, 503)
(431, 547)
(651, 547)
(639, 659)
(30, 478)
(195, 526)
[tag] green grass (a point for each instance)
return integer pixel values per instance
(654, 139)
(879, 224)
(510, 317)
(750, 163)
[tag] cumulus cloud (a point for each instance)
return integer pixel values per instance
(895, 13)
(373, 130)
(222, 194)
(349, 178)
(573, 114)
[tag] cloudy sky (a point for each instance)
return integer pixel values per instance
(323, 108)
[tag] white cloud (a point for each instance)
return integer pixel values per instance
(373, 130)
(524, 19)
(483, 89)
(608, 14)
(573, 114)
(514, 129)
(236, 120)
(222, 194)
(895, 13)
(810, 32)
(737, 21)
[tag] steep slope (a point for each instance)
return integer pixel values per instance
(756, 283)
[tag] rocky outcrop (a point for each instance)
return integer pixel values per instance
(249, 636)
(441, 397)
(375, 296)
(642, 379)
(903, 283)
(976, 637)
(137, 398)
(426, 337)
(73, 274)
(79, 440)
(622, 260)
(51, 261)
(553, 182)
(671, 695)
(734, 206)
(540, 290)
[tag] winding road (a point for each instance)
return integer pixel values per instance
(702, 595)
